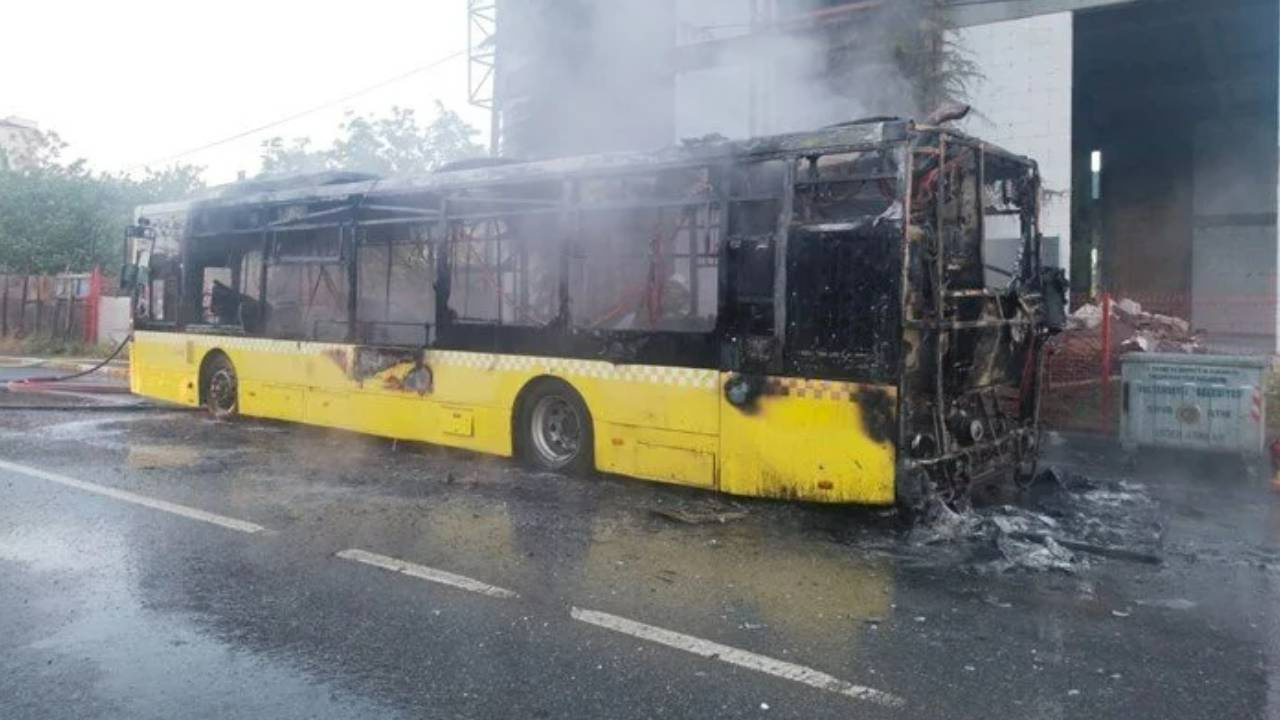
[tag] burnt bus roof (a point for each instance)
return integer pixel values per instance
(321, 187)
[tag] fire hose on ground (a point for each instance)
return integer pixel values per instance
(34, 384)
(62, 383)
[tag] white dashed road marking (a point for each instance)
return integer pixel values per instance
(425, 573)
(136, 499)
(650, 633)
(734, 656)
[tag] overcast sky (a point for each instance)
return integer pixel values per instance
(127, 82)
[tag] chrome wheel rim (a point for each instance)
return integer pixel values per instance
(557, 430)
(222, 391)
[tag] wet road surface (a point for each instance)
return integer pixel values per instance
(516, 594)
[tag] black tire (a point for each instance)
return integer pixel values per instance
(221, 388)
(553, 430)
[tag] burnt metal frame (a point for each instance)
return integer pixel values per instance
(951, 460)
(372, 203)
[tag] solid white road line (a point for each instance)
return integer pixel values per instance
(425, 573)
(734, 656)
(136, 499)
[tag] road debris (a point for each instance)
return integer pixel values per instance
(1134, 329)
(706, 513)
(1170, 604)
(1062, 519)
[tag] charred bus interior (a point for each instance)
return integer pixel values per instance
(853, 254)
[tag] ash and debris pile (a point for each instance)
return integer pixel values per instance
(1066, 522)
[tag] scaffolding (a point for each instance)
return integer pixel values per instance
(482, 63)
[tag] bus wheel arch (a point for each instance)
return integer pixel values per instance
(219, 385)
(552, 428)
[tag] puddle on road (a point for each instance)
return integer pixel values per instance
(814, 578)
(299, 472)
(594, 551)
(98, 549)
(108, 649)
(151, 457)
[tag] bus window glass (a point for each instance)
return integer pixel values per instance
(645, 254)
(1002, 222)
(504, 269)
(250, 273)
(844, 241)
(847, 186)
(307, 287)
(842, 319)
(396, 285)
(215, 289)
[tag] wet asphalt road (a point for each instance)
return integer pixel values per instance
(109, 609)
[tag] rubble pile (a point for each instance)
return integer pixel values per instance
(1136, 330)
(1133, 329)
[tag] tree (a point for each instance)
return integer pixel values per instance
(295, 156)
(928, 54)
(57, 217)
(392, 145)
(41, 149)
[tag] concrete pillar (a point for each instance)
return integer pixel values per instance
(1024, 104)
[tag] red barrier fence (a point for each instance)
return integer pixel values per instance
(1082, 371)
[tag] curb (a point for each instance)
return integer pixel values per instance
(117, 371)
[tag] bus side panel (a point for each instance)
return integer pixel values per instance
(811, 440)
(656, 423)
(650, 422)
(159, 367)
(669, 456)
(285, 379)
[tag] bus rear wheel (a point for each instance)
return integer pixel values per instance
(554, 430)
(222, 389)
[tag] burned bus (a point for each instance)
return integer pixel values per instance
(816, 316)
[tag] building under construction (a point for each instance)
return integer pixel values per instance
(1154, 122)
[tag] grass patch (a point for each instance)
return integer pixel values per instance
(43, 345)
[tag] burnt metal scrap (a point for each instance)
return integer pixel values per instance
(853, 253)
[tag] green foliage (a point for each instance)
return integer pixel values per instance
(939, 68)
(392, 145)
(57, 216)
(296, 156)
(51, 344)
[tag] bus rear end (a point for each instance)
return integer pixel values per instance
(893, 330)
(977, 305)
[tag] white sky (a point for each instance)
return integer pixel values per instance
(127, 82)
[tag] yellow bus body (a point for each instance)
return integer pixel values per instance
(811, 440)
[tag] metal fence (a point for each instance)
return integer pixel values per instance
(1082, 369)
(63, 306)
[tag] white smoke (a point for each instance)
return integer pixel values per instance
(581, 76)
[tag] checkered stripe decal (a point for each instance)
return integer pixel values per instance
(655, 375)
(278, 347)
(566, 367)
(816, 389)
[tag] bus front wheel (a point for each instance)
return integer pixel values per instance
(221, 389)
(554, 430)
